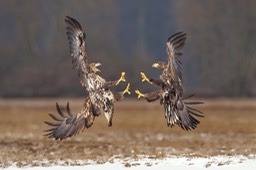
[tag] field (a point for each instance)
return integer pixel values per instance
(139, 129)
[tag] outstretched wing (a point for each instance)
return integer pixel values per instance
(173, 71)
(76, 39)
(70, 125)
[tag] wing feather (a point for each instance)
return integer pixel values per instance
(55, 118)
(68, 110)
(60, 111)
(173, 71)
(76, 40)
(71, 124)
(52, 124)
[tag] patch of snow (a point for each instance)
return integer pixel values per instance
(143, 162)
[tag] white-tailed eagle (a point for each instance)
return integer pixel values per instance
(177, 110)
(100, 97)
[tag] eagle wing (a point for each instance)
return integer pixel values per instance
(76, 39)
(177, 110)
(70, 125)
(173, 71)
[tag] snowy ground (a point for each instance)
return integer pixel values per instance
(214, 162)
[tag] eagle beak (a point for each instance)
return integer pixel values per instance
(155, 65)
(98, 64)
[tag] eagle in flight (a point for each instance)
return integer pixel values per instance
(100, 97)
(177, 110)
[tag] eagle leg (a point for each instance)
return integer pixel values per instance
(139, 94)
(144, 77)
(121, 79)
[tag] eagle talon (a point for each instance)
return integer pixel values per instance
(144, 77)
(127, 89)
(139, 94)
(121, 79)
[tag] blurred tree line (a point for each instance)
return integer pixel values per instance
(219, 55)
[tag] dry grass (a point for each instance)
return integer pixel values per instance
(138, 128)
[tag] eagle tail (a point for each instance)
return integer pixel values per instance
(183, 114)
(108, 109)
(109, 113)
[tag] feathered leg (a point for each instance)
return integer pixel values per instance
(150, 97)
(115, 83)
(144, 78)
(120, 95)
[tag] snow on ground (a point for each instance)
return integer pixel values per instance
(197, 163)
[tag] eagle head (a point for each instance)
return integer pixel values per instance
(159, 65)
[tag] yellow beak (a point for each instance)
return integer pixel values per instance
(155, 65)
(97, 64)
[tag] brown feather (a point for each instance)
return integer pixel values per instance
(177, 111)
(72, 124)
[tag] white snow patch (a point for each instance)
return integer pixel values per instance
(144, 163)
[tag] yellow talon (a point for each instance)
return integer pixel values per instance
(122, 78)
(144, 77)
(127, 89)
(139, 94)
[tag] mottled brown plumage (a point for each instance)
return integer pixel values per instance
(100, 97)
(97, 87)
(177, 111)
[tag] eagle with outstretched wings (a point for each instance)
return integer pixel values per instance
(177, 110)
(100, 97)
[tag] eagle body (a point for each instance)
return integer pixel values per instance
(95, 85)
(100, 97)
(94, 82)
(176, 109)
